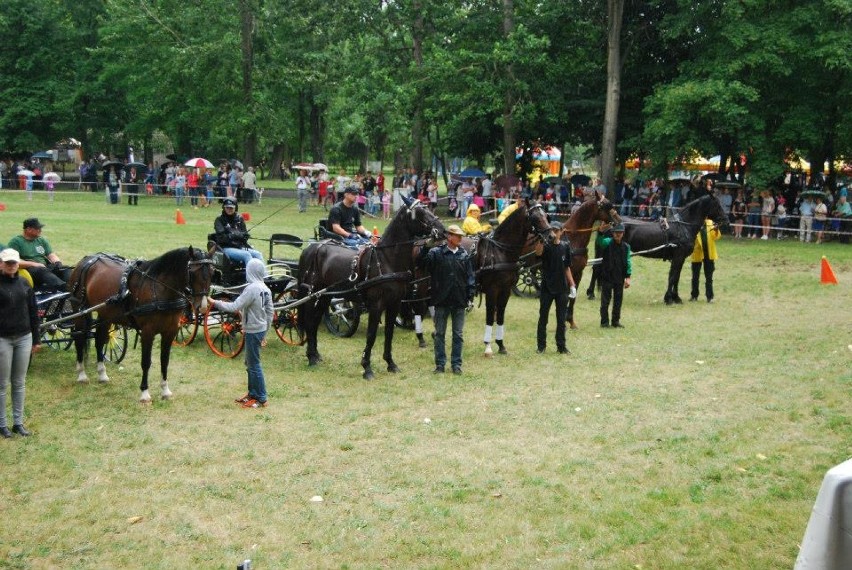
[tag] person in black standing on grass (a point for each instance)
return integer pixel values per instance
(616, 267)
(557, 284)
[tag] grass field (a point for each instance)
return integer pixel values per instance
(697, 437)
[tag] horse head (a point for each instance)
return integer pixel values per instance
(538, 223)
(199, 274)
(711, 208)
(424, 222)
(607, 212)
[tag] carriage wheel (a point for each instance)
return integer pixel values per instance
(224, 333)
(529, 283)
(188, 326)
(342, 317)
(286, 322)
(57, 337)
(116, 346)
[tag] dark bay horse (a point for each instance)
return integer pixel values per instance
(673, 239)
(149, 296)
(377, 274)
(578, 228)
(495, 260)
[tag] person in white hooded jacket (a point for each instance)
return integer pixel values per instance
(255, 303)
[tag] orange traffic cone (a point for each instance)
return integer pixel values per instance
(2, 207)
(376, 231)
(179, 218)
(247, 216)
(827, 275)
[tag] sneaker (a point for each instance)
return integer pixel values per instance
(243, 399)
(4, 431)
(252, 403)
(563, 350)
(764, 237)
(438, 370)
(604, 325)
(540, 350)
(20, 430)
(617, 326)
(456, 370)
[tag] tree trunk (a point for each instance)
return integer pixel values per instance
(615, 14)
(417, 119)
(247, 49)
(317, 129)
(508, 95)
(278, 155)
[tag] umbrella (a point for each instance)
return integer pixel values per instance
(51, 176)
(471, 173)
(135, 165)
(304, 166)
(25, 172)
(553, 180)
(320, 166)
(109, 163)
(506, 181)
(43, 154)
(814, 194)
(198, 163)
(580, 180)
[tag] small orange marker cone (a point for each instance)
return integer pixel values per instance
(827, 275)
(2, 207)
(246, 216)
(376, 231)
(179, 218)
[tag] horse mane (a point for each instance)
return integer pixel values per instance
(509, 224)
(396, 224)
(171, 262)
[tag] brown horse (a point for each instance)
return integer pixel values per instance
(495, 259)
(578, 228)
(379, 275)
(149, 296)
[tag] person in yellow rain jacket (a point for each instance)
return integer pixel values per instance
(704, 253)
(472, 225)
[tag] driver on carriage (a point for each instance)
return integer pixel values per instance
(344, 219)
(232, 235)
(37, 257)
(472, 225)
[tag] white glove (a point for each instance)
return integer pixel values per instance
(573, 293)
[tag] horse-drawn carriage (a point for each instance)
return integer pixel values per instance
(223, 331)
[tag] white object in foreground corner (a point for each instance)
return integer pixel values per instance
(827, 544)
(316, 499)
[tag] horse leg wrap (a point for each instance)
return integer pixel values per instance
(81, 373)
(487, 338)
(418, 325)
(102, 373)
(165, 393)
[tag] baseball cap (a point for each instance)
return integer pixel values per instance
(33, 223)
(555, 226)
(229, 203)
(9, 254)
(350, 190)
(618, 228)
(455, 230)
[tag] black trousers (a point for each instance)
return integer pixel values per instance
(545, 301)
(49, 279)
(616, 294)
(709, 268)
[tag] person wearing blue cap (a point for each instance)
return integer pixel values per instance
(616, 268)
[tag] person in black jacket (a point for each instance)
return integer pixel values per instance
(616, 268)
(557, 284)
(232, 235)
(453, 285)
(19, 338)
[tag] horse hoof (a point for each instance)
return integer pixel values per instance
(393, 369)
(368, 375)
(103, 379)
(166, 396)
(145, 397)
(313, 361)
(422, 344)
(678, 301)
(572, 326)
(82, 379)
(502, 350)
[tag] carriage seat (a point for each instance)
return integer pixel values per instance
(324, 231)
(232, 272)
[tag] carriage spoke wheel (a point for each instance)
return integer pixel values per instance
(57, 337)
(116, 345)
(342, 317)
(285, 321)
(188, 326)
(529, 282)
(224, 333)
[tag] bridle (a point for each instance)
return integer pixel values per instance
(193, 267)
